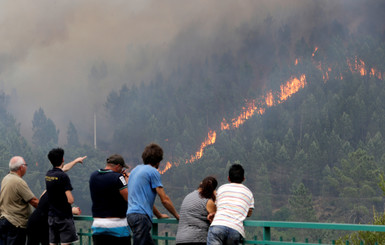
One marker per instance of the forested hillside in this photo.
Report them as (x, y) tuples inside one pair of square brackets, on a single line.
[(313, 156)]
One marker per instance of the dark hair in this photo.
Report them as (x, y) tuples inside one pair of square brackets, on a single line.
[(207, 186), (152, 154), (55, 156), (236, 173)]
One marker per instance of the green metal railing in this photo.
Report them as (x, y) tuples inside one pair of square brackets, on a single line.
[(265, 226)]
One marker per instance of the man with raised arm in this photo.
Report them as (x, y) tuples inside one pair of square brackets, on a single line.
[(60, 220), (143, 186), (15, 198)]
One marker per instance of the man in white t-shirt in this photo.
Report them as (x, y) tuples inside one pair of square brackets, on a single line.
[(234, 203)]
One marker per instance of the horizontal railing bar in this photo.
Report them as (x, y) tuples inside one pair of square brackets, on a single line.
[(314, 225)]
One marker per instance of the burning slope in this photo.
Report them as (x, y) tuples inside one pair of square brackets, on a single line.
[(254, 106), (290, 87)]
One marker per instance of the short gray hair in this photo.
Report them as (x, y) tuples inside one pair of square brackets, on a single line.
[(15, 163)]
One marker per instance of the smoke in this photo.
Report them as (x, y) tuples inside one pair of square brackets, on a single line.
[(66, 56)]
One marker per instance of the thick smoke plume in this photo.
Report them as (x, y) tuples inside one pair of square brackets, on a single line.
[(66, 56)]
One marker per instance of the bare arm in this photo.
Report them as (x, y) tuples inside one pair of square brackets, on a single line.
[(211, 209), (166, 201), (69, 165), (70, 198), (34, 202), (158, 214), (250, 212)]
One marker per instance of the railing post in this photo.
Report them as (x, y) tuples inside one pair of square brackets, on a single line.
[(80, 236), (90, 237), (266, 233), (154, 231)]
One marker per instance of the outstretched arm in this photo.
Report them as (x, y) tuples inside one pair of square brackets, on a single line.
[(69, 165), (166, 201)]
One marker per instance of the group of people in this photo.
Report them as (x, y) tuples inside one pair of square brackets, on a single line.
[(52, 221), (122, 204)]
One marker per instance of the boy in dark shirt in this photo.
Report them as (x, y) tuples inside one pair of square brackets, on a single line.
[(61, 224)]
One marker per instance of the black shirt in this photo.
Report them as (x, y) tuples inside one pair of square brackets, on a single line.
[(105, 187), (57, 183)]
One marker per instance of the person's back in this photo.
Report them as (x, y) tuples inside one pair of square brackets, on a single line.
[(106, 199), (234, 203), (57, 183), (108, 188), (14, 192), (59, 190), (144, 185), (141, 184), (193, 223), (15, 197)]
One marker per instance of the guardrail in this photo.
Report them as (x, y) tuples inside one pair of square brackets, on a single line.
[(266, 226)]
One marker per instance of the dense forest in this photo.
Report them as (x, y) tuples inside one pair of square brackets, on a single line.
[(315, 156)]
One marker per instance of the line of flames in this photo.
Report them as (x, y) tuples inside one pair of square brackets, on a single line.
[(292, 86), (286, 90)]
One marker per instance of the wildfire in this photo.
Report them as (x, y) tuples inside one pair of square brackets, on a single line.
[(287, 89), (290, 87), (167, 167), (211, 137), (247, 112)]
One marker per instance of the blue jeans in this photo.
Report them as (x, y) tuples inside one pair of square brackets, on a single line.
[(10, 234), (219, 234), (140, 225)]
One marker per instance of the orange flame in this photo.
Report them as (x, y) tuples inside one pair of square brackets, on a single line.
[(269, 100), (292, 86), (315, 50), (167, 167), (287, 89), (210, 140), (211, 137)]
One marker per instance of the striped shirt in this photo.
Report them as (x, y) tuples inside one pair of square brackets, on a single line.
[(193, 224), (233, 203)]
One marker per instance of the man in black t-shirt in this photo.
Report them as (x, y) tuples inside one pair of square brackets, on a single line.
[(61, 224), (108, 189)]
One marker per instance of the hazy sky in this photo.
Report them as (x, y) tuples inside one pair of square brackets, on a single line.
[(67, 55)]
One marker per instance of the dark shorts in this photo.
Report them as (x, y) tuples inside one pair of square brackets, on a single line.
[(62, 230)]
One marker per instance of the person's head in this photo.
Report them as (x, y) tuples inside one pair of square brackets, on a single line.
[(207, 187), (116, 163), (17, 164), (152, 154), (56, 156), (236, 174)]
